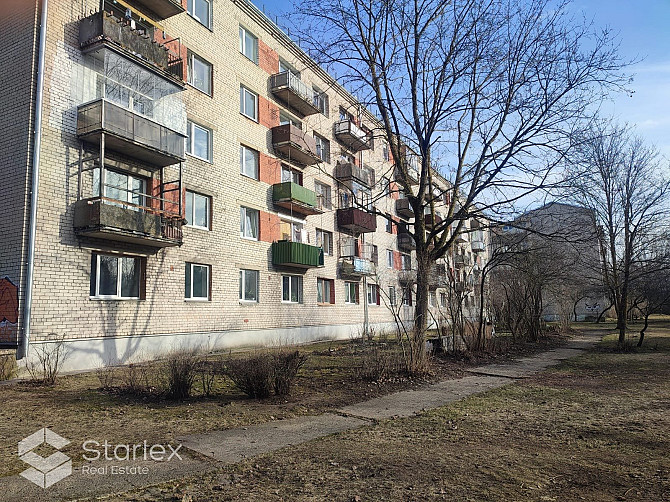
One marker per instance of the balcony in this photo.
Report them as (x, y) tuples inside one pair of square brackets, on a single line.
[(352, 136), (108, 219), (407, 277), (461, 261), (461, 238), (296, 254), (478, 246), (406, 242), (295, 198), (431, 220), (412, 175), (129, 133), (356, 220), (294, 144), (104, 30), (404, 209), (348, 172), (357, 259), (162, 8), (438, 277), (293, 92)]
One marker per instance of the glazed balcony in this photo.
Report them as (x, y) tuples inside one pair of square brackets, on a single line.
[(114, 220), (348, 172), (162, 8), (356, 220), (129, 133), (478, 246), (295, 198), (357, 259), (404, 209), (296, 254), (104, 30), (352, 136), (293, 92), (406, 242), (294, 144)]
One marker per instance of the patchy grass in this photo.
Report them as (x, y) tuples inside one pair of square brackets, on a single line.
[(596, 428)]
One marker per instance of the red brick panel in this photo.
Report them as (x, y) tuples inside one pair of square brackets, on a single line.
[(397, 260), (269, 227), (394, 227), (268, 59), (269, 169), (268, 113), (394, 190)]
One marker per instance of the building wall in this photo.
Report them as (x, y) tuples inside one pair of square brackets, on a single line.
[(62, 305)]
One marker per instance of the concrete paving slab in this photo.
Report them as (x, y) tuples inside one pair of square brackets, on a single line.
[(407, 403), (234, 445), (105, 480)]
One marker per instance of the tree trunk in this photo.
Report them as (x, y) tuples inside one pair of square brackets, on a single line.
[(418, 357), (644, 328)]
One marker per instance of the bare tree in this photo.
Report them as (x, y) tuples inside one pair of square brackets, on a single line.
[(622, 180), (484, 93)]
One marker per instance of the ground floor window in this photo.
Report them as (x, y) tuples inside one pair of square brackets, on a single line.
[(351, 292), (373, 294), (196, 283), (117, 277), (291, 288), (392, 299), (325, 291), (249, 285)]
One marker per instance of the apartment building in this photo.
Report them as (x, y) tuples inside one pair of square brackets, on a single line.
[(202, 183)]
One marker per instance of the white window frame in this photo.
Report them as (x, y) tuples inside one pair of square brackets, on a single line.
[(191, 73), (190, 9), (243, 44), (325, 291), (443, 299), (291, 280), (208, 210), (324, 195), (372, 294), (190, 141), (392, 296), (321, 101), (243, 226), (350, 293), (389, 258), (431, 298), (119, 276), (242, 285), (243, 91), (256, 168), (322, 147), (192, 298), (320, 235)]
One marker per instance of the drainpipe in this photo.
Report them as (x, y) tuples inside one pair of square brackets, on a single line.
[(37, 145)]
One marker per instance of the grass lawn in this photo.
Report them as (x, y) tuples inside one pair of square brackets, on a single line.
[(595, 428), (76, 407)]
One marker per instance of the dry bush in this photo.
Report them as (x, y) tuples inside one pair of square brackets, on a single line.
[(180, 372), (207, 370), (261, 373), (49, 361), (8, 367), (106, 375), (138, 379), (379, 364)]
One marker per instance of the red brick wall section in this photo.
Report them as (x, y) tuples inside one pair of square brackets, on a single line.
[(269, 169), (268, 59), (176, 47), (397, 260), (268, 113), (394, 227), (394, 190), (269, 227)]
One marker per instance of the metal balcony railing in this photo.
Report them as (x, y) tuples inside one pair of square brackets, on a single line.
[(294, 92)]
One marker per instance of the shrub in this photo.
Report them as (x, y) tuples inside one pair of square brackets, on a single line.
[(181, 370), (106, 375), (49, 361), (137, 379), (8, 367), (207, 371), (381, 364), (261, 373)]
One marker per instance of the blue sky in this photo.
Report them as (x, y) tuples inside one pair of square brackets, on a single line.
[(642, 28)]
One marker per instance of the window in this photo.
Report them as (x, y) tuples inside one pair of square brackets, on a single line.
[(196, 283), (389, 224), (197, 210), (124, 188), (249, 285), (345, 115), (406, 262), (386, 186), (285, 118), (321, 100), (284, 67), (116, 277), (248, 103), (201, 11), (324, 239), (291, 287), (407, 297), (325, 291), (199, 141), (373, 294), (387, 154), (292, 231), (350, 292), (249, 44), (249, 223), (290, 174), (431, 298), (248, 162), (389, 258), (392, 298), (322, 148), (199, 73), (443, 299), (323, 195)]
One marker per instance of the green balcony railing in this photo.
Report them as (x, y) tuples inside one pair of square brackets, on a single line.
[(293, 192), (296, 254)]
